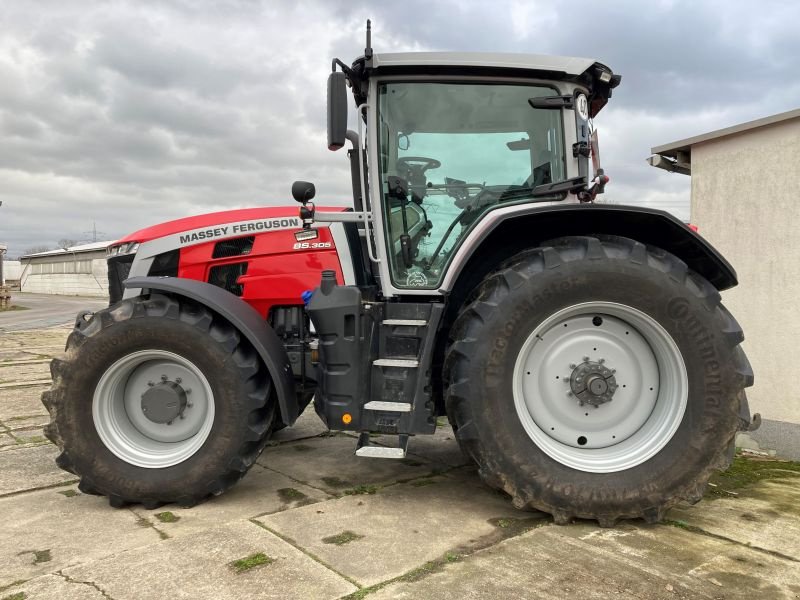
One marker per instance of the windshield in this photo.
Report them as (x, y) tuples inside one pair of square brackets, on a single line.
[(461, 149)]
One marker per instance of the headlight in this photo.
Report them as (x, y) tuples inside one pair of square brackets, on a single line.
[(120, 249)]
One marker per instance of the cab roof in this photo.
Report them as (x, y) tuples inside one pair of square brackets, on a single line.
[(566, 65)]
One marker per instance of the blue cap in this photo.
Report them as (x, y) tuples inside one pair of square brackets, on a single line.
[(306, 296)]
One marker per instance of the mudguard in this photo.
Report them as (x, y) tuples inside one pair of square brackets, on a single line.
[(531, 224), (246, 320)]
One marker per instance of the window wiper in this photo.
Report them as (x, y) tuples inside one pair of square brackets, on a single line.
[(546, 189)]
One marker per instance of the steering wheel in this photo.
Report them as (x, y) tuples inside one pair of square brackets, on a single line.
[(420, 163)]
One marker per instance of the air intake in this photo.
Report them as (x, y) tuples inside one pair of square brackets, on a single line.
[(225, 276), (237, 247)]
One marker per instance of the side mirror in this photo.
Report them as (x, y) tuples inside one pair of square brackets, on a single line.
[(337, 110), (303, 191)]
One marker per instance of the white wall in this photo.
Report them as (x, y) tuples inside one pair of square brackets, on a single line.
[(11, 271), (746, 202), (69, 284)]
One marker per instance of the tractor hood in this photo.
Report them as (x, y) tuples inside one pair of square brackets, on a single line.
[(215, 219)]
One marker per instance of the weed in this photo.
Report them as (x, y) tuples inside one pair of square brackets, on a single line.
[(69, 493), (167, 517), (423, 482), (17, 596), (361, 489), (250, 562), (290, 495), (340, 539), (745, 471), (335, 482)]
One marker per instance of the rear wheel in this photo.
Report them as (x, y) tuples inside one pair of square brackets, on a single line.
[(596, 378), (158, 400)]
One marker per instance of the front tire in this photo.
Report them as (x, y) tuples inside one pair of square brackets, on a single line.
[(652, 338), (158, 400)]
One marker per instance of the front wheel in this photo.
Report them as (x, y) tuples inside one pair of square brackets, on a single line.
[(596, 378), (158, 400)]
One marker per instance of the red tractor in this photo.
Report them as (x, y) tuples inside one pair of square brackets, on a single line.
[(579, 350)]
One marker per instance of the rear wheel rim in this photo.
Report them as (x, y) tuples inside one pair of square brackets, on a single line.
[(638, 406), (121, 420)]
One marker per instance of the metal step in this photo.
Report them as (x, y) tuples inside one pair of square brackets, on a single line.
[(367, 450), (406, 363), (408, 322), (388, 406)]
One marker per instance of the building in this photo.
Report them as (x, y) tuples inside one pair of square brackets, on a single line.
[(76, 271), (745, 201)]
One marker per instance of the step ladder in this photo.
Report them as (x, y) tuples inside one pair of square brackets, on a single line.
[(400, 403)]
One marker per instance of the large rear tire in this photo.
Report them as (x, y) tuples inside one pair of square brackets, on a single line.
[(158, 400), (596, 378)]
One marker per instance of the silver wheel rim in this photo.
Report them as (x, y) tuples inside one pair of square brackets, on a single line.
[(120, 417), (647, 404)]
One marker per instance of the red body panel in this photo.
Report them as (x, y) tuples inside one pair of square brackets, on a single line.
[(279, 269)]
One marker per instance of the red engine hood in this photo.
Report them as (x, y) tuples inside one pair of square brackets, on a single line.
[(217, 218)]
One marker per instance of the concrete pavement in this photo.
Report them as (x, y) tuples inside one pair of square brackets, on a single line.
[(311, 520), (43, 310)]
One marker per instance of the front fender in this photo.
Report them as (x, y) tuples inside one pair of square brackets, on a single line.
[(246, 320)]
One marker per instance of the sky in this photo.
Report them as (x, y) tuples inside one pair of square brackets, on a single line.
[(121, 114)]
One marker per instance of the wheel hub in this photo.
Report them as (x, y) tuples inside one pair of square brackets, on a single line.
[(593, 383), (164, 402)]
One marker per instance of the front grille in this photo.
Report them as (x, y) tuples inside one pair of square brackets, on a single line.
[(237, 247), (225, 276), (119, 267)]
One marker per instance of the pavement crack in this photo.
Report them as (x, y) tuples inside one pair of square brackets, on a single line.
[(145, 522), (507, 528), (89, 583), (700, 531), (40, 488), (311, 555), (300, 481)]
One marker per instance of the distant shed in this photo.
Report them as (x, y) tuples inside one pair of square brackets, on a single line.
[(75, 271)]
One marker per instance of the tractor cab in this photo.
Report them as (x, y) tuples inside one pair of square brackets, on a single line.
[(446, 138)]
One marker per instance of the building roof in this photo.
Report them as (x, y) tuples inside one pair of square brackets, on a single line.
[(673, 148), (676, 157), (91, 247)]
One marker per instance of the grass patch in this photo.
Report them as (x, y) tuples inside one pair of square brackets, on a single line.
[(69, 493), (250, 562), (34, 439), (340, 539), (290, 495), (441, 421), (335, 482), (361, 489), (17, 596), (167, 517), (12, 308), (746, 471)]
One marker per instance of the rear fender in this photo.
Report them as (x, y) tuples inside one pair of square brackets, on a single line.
[(246, 320), (506, 231)]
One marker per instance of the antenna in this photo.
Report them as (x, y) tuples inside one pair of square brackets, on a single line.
[(368, 49)]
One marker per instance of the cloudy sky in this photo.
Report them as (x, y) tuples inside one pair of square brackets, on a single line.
[(130, 113)]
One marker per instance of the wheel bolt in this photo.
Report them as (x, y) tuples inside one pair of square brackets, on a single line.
[(169, 422), (187, 391), (580, 402), (178, 380), (572, 365), (585, 359), (189, 405), (569, 393), (601, 360), (182, 416), (150, 383), (163, 378)]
